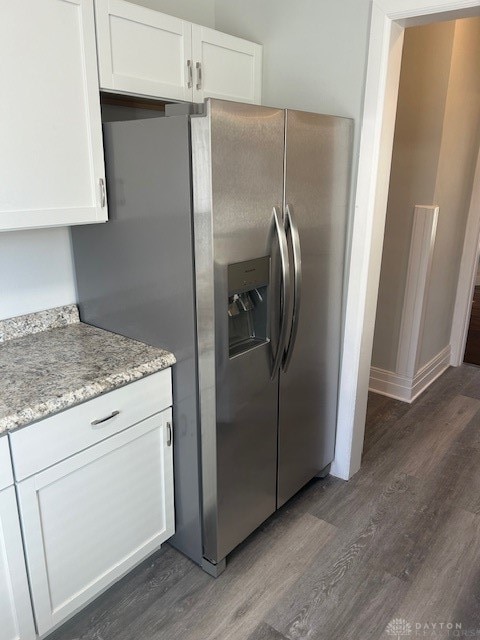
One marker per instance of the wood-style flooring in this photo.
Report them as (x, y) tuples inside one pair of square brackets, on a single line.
[(341, 560), (472, 351)]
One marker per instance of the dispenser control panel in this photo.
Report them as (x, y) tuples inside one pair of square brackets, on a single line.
[(248, 275)]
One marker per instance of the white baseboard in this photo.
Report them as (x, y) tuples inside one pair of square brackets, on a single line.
[(394, 385), (391, 384)]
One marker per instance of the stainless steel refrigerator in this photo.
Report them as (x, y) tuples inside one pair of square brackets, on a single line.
[(226, 245)]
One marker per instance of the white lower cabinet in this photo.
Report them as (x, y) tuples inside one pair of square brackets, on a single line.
[(16, 619), (90, 518)]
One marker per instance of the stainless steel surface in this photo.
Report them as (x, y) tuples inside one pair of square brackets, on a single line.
[(103, 197), (199, 75), (94, 423), (318, 157), (190, 74), (135, 277), (285, 297), (248, 275), (261, 290), (291, 226), (214, 569), (169, 434), (184, 109), (238, 178)]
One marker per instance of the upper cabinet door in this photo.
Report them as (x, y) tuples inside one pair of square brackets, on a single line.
[(226, 67), (51, 158), (142, 51)]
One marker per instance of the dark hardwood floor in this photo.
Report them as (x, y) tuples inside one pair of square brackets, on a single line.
[(472, 351), (341, 560)]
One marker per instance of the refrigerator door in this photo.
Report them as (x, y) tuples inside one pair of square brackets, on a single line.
[(317, 181), (237, 158)]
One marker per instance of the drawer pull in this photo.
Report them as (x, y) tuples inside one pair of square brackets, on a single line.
[(102, 420)]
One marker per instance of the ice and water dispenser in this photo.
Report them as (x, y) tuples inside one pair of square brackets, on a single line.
[(248, 304)]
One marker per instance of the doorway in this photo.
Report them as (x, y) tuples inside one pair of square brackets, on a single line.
[(436, 139), (472, 348), (388, 21)]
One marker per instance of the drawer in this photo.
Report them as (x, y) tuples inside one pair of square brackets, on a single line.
[(45, 443), (6, 476)]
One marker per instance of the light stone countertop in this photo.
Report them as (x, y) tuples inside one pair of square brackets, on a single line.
[(52, 369)]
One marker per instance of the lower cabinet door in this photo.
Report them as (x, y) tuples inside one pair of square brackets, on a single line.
[(16, 618), (89, 519)]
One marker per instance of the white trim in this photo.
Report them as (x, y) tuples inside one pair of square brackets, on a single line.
[(418, 277), (430, 372), (414, 9), (376, 144), (383, 72), (408, 388), (391, 384), (467, 276)]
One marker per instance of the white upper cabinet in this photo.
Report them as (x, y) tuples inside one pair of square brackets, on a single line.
[(51, 152), (226, 67), (148, 53), (142, 51)]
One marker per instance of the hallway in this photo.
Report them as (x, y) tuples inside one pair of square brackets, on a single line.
[(472, 350), (401, 540)]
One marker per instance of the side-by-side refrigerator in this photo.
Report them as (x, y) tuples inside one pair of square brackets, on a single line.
[(226, 245)]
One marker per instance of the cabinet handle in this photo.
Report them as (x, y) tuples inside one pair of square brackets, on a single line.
[(103, 197), (102, 420), (199, 75), (169, 434), (190, 73)]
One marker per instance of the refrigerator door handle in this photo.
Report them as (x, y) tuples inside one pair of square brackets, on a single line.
[(283, 248), (291, 225)]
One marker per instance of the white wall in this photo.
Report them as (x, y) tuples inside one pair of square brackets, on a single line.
[(198, 11), (36, 271), (314, 51)]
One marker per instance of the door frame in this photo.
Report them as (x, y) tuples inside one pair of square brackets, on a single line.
[(467, 275), (389, 19)]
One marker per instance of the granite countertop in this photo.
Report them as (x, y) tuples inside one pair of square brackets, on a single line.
[(51, 361)]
